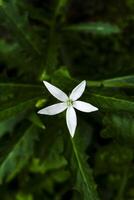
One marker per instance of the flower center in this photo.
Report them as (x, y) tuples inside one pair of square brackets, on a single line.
[(69, 102)]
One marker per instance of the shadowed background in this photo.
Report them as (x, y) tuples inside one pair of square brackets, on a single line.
[(65, 42)]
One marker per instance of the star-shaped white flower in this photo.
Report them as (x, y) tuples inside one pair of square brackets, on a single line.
[(68, 103)]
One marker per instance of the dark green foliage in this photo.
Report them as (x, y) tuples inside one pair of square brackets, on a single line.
[(65, 42), (84, 181), (18, 156)]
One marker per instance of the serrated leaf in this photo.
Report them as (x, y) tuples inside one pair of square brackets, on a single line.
[(19, 155), (101, 28)]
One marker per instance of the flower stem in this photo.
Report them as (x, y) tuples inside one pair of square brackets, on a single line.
[(79, 164)]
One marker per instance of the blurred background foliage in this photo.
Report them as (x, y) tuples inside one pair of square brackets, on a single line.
[(64, 42)]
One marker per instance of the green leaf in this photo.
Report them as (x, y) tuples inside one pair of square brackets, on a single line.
[(125, 82), (27, 52), (119, 126), (36, 120), (54, 40), (114, 165), (118, 82), (19, 155), (54, 159), (83, 182), (18, 89), (1, 2), (52, 53), (13, 110), (8, 125), (6, 48), (17, 24), (49, 163), (115, 155), (112, 104), (16, 98), (101, 28), (62, 79), (21, 196)]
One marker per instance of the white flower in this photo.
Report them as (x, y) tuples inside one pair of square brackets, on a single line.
[(68, 103)]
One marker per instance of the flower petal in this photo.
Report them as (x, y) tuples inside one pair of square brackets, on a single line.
[(78, 91), (56, 92), (54, 109), (84, 107), (71, 120)]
